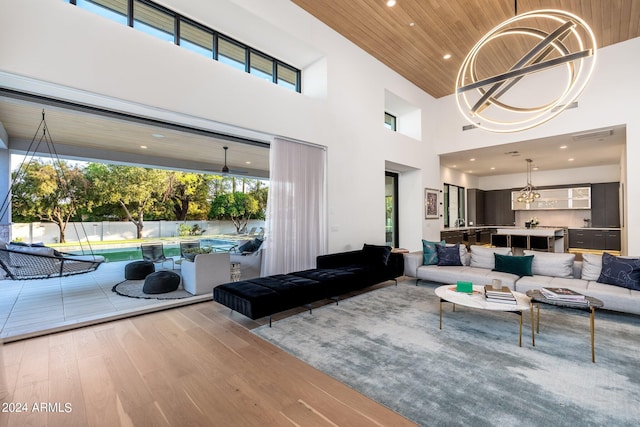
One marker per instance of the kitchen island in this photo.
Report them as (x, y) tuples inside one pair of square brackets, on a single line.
[(550, 239)]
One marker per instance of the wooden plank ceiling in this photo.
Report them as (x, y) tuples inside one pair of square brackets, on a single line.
[(413, 36)]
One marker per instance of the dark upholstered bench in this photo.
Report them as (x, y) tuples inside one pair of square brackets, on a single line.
[(337, 274), (263, 296)]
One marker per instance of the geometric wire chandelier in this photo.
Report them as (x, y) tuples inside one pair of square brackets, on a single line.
[(560, 47), (528, 193)]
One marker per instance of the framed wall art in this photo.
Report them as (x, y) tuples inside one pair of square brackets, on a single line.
[(431, 203)]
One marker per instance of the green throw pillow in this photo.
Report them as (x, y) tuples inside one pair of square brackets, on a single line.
[(430, 254), (518, 265)]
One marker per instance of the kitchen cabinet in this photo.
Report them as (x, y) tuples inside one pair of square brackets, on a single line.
[(484, 235), (456, 236), (593, 238), (605, 205), (468, 236), (580, 239), (612, 240), (556, 198), (497, 208)]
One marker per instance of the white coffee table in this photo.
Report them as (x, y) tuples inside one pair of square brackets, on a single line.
[(447, 293)]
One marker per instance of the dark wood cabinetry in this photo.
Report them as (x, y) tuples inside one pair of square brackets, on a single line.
[(471, 236), (612, 240), (497, 208), (456, 236), (594, 239), (475, 207), (605, 205), (484, 235)]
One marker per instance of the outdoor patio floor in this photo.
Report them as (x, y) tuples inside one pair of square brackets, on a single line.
[(30, 308)]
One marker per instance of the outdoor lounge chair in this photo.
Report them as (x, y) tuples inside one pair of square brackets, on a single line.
[(40, 262), (185, 245), (154, 252)]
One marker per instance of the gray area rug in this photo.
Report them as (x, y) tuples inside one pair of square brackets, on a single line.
[(387, 345), (133, 289)]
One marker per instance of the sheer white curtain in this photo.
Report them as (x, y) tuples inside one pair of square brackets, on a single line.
[(296, 211)]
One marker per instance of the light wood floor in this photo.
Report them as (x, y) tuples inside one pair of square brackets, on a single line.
[(188, 366)]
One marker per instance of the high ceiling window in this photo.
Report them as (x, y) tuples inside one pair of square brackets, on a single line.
[(165, 24), (153, 20), (196, 38)]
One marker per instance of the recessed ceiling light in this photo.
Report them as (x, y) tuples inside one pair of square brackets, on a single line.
[(562, 147), (535, 168), (469, 171), (391, 3), (247, 162), (144, 147), (493, 168), (472, 160), (571, 159), (157, 135), (447, 56), (454, 166), (411, 24)]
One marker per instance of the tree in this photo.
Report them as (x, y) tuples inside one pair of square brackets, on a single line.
[(261, 193), (47, 193), (136, 190), (186, 193), (238, 207)]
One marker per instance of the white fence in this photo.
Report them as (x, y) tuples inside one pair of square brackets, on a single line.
[(113, 231)]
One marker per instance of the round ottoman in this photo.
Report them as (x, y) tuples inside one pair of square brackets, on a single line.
[(161, 282), (138, 270)]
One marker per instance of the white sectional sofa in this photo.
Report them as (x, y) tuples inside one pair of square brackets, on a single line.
[(557, 270)]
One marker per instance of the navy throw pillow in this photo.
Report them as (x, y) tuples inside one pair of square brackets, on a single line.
[(376, 256), (429, 252), (251, 246), (246, 247), (518, 265), (448, 255), (624, 272)]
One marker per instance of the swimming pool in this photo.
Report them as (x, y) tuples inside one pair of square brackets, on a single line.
[(131, 251)]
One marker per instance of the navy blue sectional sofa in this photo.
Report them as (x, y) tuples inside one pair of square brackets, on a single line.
[(335, 275)]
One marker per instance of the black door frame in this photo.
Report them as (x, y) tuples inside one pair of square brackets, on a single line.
[(396, 226)]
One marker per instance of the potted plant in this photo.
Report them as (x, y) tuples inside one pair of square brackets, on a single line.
[(190, 253)]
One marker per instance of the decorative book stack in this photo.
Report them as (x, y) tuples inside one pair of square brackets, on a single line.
[(502, 295), (564, 295)]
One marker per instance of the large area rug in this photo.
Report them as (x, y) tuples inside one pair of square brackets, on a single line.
[(387, 345)]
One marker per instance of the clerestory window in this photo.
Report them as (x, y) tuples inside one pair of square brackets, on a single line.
[(167, 25)]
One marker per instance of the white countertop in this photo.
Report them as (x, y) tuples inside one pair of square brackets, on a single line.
[(536, 231), (594, 228)]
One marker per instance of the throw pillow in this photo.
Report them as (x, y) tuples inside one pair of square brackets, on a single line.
[(246, 247), (376, 256), (430, 254), (448, 255), (552, 264), (591, 266), (618, 271), (518, 265), (464, 256), (257, 242), (251, 245), (483, 257)]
